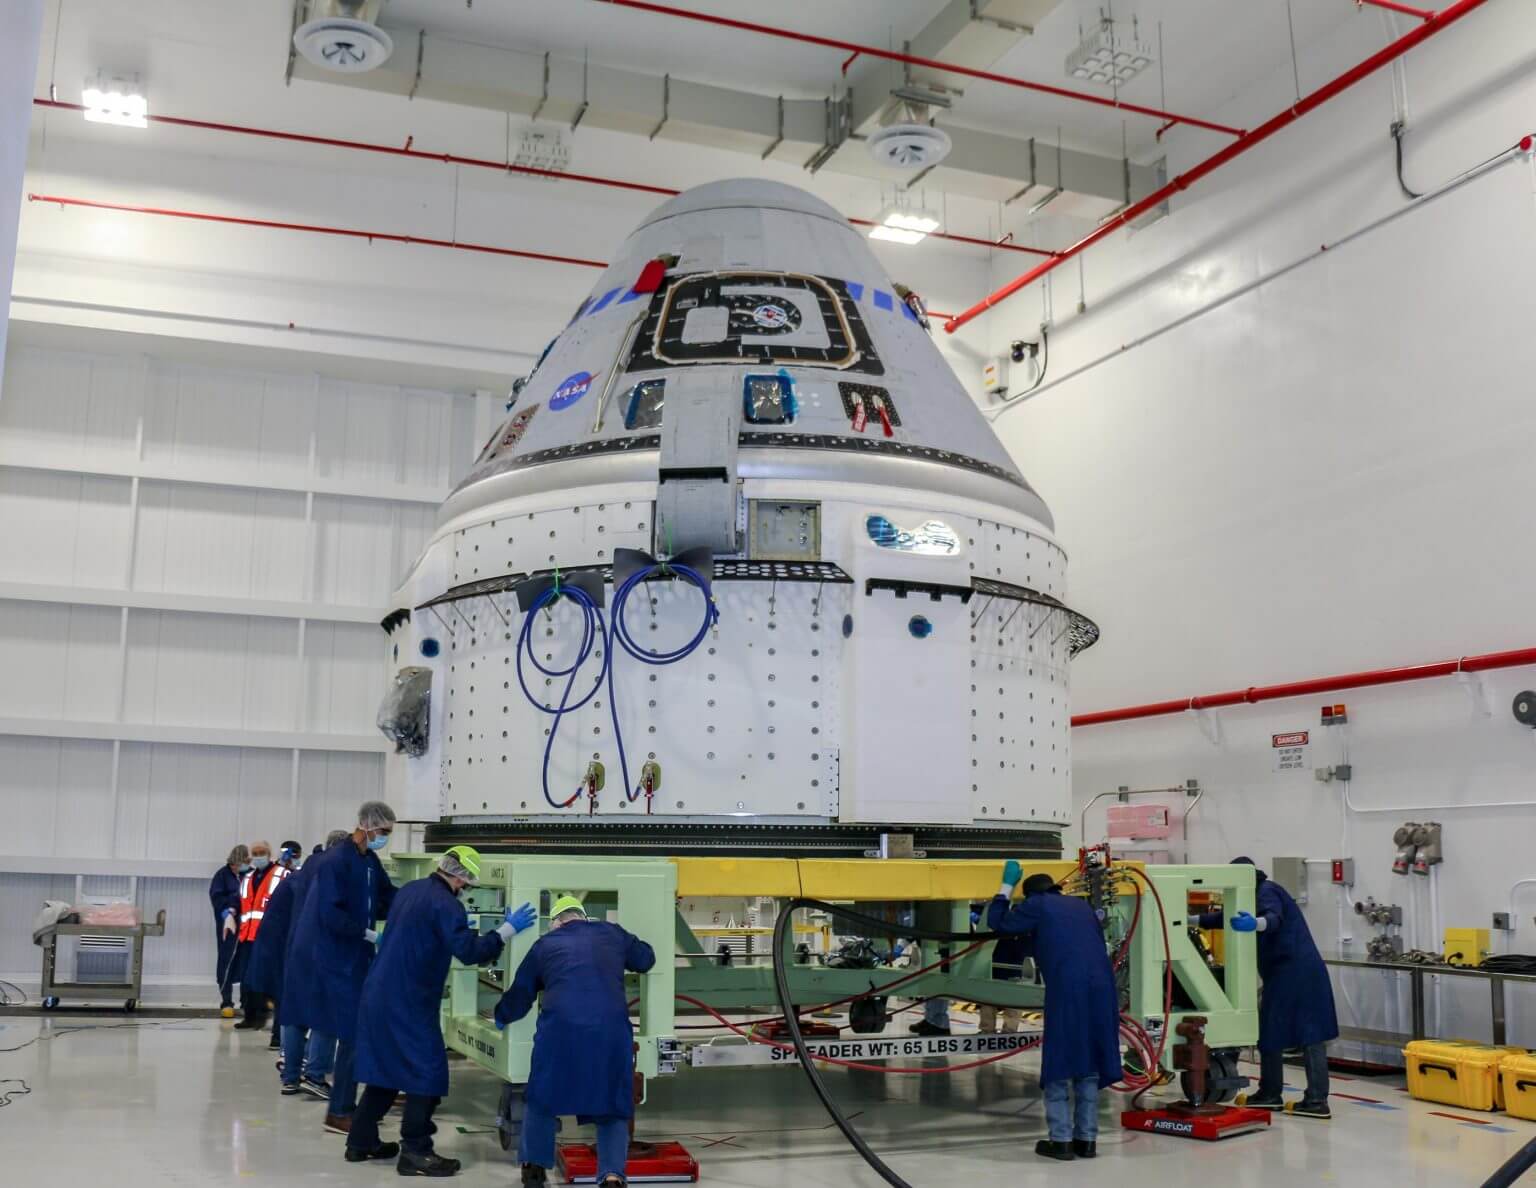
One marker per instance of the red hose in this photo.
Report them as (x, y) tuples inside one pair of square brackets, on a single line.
[(877, 1068), (1162, 1039)]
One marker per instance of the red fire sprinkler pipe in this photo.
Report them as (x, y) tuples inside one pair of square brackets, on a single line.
[(873, 51), (415, 154), (460, 245), (316, 229), (1433, 23), (1318, 685), (1423, 14)]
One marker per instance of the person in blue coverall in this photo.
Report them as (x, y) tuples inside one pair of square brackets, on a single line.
[(399, 1034), (1296, 1004), (1082, 1006), (306, 1061), (583, 1048), (224, 894), (333, 946)]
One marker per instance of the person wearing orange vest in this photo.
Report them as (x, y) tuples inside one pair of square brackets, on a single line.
[(256, 888)]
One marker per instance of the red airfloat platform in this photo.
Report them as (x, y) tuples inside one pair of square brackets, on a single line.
[(649, 1163), (1220, 1124), (778, 1031)]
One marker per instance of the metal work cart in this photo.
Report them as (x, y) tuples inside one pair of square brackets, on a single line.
[(129, 990)]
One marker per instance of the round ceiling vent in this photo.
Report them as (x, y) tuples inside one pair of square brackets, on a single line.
[(343, 44), (909, 146)]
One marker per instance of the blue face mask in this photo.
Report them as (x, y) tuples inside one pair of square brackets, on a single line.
[(378, 843)]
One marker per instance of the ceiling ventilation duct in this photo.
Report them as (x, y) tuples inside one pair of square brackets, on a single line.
[(907, 139), (343, 35)]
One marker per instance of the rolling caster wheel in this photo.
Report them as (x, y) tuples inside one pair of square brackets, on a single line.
[(50, 1003), (867, 1016)]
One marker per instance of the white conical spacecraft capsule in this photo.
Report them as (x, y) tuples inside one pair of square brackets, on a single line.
[(745, 568)]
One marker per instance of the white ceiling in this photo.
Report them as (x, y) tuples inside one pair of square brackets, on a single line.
[(226, 62), (1211, 50)]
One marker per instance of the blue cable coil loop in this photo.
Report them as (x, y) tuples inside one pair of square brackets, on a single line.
[(619, 633), (615, 632), (593, 631)]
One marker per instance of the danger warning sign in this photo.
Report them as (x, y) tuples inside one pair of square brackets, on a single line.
[(1291, 750)]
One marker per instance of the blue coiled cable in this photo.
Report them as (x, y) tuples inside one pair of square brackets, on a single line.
[(593, 632), (618, 634)]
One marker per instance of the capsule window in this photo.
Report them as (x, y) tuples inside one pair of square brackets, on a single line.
[(769, 400), (643, 407)]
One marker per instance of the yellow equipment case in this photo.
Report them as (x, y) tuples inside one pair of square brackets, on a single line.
[(1456, 1073), (1519, 1086)]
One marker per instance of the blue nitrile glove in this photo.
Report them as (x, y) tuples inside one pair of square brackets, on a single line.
[(975, 918), (1243, 922), (500, 1026), (517, 921), (1013, 873)]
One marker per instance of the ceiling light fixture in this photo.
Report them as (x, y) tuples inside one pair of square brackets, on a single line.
[(899, 223), (1107, 55), (116, 100)]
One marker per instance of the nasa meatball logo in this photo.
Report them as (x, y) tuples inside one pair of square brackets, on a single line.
[(771, 317), (571, 389)]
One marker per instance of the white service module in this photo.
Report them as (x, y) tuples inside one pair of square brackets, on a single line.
[(747, 394)]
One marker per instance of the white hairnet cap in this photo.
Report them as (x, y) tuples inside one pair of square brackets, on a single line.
[(450, 865), (375, 814), (334, 836)]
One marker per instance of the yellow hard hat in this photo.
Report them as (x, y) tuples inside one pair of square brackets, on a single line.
[(468, 859), (566, 903)]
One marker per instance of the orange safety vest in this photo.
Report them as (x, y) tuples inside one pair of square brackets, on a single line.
[(254, 894)]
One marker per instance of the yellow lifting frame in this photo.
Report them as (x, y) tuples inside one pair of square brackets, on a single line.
[(871, 879)]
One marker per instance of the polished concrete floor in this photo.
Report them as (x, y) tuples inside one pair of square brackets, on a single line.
[(192, 1102)]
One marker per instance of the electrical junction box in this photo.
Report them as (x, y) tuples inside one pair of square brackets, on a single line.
[(1343, 872), (994, 375), (1466, 946), (1291, 873), (1501, 922)]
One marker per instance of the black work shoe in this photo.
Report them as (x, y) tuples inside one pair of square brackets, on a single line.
[(612, 1182), (382, 1151), (1310, 1109), (1258, 1102), (251, 1023), (1085, 1148), (290, 1090), (320, 1087), (275, 1044), (533, 1174), (926, 1028), (430, 1164), (1052, 1150)]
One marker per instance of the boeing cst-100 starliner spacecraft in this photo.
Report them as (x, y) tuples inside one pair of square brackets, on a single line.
[(745, 569)]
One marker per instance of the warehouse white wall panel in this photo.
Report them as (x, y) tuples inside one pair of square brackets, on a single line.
[(362, 547), (211, 670), (65, 407), (1330, 473), (341, 676), (203, 539), (60, 661), (193, 563), (63, 528), (331, 786)]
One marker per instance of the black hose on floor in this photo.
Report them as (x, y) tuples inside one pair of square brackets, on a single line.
[(1519, 1163), (792, 1021)]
